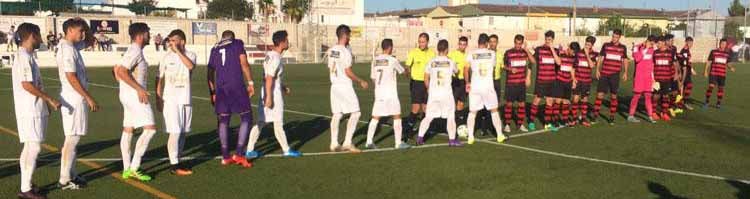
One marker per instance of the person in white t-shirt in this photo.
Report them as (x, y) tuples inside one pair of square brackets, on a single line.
[(75, 98), (29, 101), (174, 97), (384, 71), (131, 76), (343, 98), (272, 99), (480, 86), (438, 77)]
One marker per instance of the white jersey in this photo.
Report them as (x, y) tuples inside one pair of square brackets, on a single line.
[(69, 60), (272, 66), (176, 78), (25, 69), (384, 71), (441, 70), (482, 63), (339, 59), (134, 61)]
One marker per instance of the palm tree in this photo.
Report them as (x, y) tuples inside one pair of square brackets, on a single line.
[(266, 8), (295, 9)]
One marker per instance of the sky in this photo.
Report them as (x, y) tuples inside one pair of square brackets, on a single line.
[(722, 5)]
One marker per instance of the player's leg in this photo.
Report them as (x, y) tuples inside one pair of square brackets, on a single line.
[(280, 134), (470, 123), (601, 89), (246, 120), (423, 126), (371, 128), (566, 112), (574, 107), (223, 130), (27, 164), (351, 126), (508, 115), (712, 80), (521, 110), (452, 140), (649, 107), (634, 106), (74, 116), (67, 159), (398, 133), (251, 153), (335, 120), (497, 123), (534, 110), (613, 100), (548, 112), (720, 91)]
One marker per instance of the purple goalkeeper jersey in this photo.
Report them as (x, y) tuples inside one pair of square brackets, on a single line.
[(231, 93)]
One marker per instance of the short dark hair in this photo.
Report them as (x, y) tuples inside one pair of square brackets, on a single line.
[(689, 39), (668, 36), (343, 30), (591, 39), (661, 38), (386, 44), (723, 39), (463, 38), (279, 36), (442, 45), (137, 29), (74, 23), (24, 31), (519, 37), (425, 35), (483, 38), (652, 38), (227, 34), (617, 32), (575, 46), (494, 36), (550, 34), (177, 32)]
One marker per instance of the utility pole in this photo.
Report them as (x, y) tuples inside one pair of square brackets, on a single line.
[(575, 10), (744, 27)]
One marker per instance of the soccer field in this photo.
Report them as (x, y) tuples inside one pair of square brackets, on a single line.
[(700, 154)]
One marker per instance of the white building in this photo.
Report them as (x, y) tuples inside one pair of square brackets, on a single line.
[(461, 2), (193, 7)]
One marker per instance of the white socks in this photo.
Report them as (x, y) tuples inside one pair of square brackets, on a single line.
[(140, 148), (125, 140), (371, 130), (497, 123), (27, 162), (397, 131), (470, 121), (278, 132), (424, 125), (351, 126), (253, 138), (67, 159), (335, 129), (451, 127), (174, 147)]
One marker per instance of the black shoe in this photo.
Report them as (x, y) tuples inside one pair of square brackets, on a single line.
[(612, 120), (80, 181), (30, 195)]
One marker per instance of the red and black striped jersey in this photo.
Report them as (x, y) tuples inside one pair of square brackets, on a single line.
[(664, 65), (719, 60), (583, 68), (684, 57), (515, 58), (567, 65), (545, 62), (612, 55)]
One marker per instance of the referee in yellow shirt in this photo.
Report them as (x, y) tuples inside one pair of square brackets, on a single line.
[(500, 64), (415, 62), (459, 86)]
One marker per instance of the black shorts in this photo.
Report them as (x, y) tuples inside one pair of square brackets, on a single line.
[(717, 80), (459, 89), (418, 92), (544, 89), (688, 78), (515, 93), (582, 90), (498, 88), (562, 90), (664, 87), (674, 86), (609, 84)]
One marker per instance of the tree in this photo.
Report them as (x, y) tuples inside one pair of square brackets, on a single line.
[(614, 22), (584, 32), (732, 29), (647, 30), (736, 9), (55, 6), (229, 9), (266, 8), (142, 7), (296, 9)]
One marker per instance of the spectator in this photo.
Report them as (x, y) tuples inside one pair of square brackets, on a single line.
[(102, 40), (10, 35), (51, 41), (165, 43), (158, 40)]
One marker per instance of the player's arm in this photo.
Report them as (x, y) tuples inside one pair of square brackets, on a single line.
[(351, 75), (708, 63), (76, 84), (269, 90), (599, 63), (33, 90), (625, 66), (246, 72), (554, 55), (189, 63), (427, 80), (123, 73)]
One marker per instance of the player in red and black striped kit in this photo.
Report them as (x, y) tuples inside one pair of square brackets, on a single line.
[(517, 79), (687, 72), (565, 83), (546, 59), (716, 71), (665, 67), (676, 84), (586, 60), (613, 58)]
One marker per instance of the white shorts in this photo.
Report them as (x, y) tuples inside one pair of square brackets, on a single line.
[(177, 117), (31, 129), (344, 99), (274, 114), (75, 116), (440, 107), (136, 114), (386, 107), (479, 100)]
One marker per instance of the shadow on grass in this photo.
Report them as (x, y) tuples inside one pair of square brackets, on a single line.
[(662, 191), (743, 189)]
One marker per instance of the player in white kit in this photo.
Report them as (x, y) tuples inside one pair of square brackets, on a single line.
[(383, 72), (438, 77), (479, 84), (29, 101), (271, 108), (131, 76), (173, 95), (343, 98), (75, 98)]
